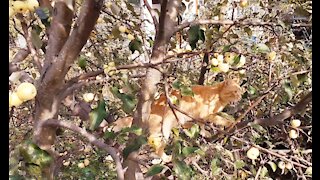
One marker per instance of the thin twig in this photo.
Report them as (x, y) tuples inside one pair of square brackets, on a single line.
[(269, 151), (155, 21), (30, 45), (230, 22), (91, 138)]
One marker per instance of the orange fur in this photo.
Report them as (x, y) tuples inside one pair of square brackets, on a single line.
[(206, 102)]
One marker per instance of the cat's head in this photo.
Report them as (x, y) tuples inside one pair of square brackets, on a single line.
[(230, 91)]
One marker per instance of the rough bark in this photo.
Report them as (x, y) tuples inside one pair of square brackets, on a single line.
[(167, 22), (62, 52)]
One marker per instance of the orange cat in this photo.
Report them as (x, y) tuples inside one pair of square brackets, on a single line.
[(206, 102)]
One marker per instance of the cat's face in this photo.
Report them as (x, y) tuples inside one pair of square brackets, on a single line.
[(231, 91)]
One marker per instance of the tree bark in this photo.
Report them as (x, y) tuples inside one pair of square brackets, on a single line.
[(62, 52), (167, 22)]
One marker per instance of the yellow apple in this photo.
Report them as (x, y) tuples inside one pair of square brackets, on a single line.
[(214, 61), (88, 97), (26, 91), (224, 67), (281, 165), (289, 165), (32, 5), (242, 71), (14, 100), (20, 6), (86, 162), (253, 153), (229, 56), (295, 123), (220, 58), (122, 29), (130, 37), (293, 134), (271, 56), (11, 12), (81, 165), (243, 3), (66, 163)]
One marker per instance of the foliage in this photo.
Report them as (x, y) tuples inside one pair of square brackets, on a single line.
[(271, 61)]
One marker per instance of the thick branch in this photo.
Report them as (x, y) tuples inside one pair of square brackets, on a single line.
[(92, 139), (59, 31), (20, 55), (167, 22), (89, 14)]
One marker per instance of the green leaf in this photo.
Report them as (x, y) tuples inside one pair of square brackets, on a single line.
[(226, 48), (32, 154), (97, 115), (82, 62), (182, 170), (189, 150), (130, 8), (35, 39), (193, 36), (200, 152), (135, 45), (176, 131), (302, 77), (236, 60), (273, 166), (151, 42), (88, 173), (215, 69), (128, 103), (193, 132), (133, 129), (115, 32), (186, 91), (259, 128), (226, 116), (177, 147), (251, 90), (109, 135), (294, 80), (16, 177), (262, 48), (300, 11), (239, 164), (34, 170), (288, 90), (263, 172), (308, 171), (215, 169), (248, 31), (155, 169), (176, 84), (37, 28), (134, 146)]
